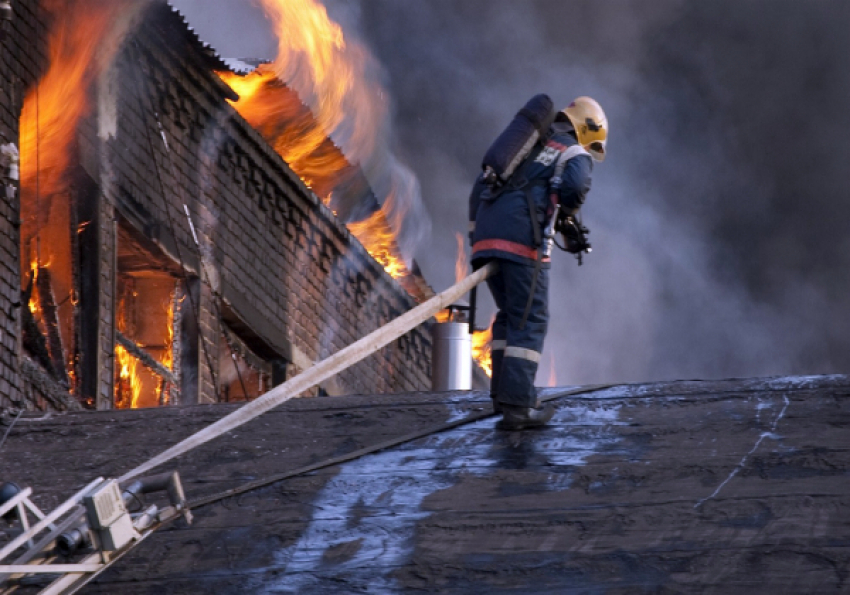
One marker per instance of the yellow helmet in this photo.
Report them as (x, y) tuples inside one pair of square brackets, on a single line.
[(590, 124)]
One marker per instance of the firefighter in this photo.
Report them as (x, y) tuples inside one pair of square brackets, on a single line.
[(506, 225)]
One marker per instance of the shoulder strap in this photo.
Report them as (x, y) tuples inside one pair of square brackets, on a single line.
[(567, 154)]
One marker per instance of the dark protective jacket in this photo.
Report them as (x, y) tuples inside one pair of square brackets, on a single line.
[(500, 224)]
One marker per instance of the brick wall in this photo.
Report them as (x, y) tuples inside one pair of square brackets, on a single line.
[(272, 266), (23, 384), (273, 263), (22, 55)]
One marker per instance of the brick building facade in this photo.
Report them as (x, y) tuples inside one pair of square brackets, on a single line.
[(22, 60), (192, 245)]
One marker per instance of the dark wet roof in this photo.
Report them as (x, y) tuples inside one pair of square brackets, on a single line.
[(727, 486)]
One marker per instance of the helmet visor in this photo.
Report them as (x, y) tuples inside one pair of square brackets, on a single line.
[(597, 150)]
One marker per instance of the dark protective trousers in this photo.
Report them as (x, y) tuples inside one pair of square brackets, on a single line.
[(516, 351)]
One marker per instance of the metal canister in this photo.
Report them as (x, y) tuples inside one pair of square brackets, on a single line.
[(451, 360)]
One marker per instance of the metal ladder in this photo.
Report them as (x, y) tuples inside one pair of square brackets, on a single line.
[(91, 530)]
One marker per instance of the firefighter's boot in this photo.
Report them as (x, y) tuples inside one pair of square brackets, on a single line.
[(520, 418)]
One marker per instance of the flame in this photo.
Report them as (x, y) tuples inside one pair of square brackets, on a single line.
[(443, 316), (316, 64), (137, 386), (82, 40), (290, 128), (33, 304), (329, 73), (481, 341), (128, 387), (168, 357), (481, 352), (128, 378), (52, 109), (377, 237)]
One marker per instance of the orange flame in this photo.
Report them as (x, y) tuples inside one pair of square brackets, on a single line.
[(332, 77), (329, 72), (33, 304), (48, 127), (129, 379), (168, 357), (136, 385), (83, 38), (128, 387), (52, 109), (481, 352), (290, 128), (378, 239)]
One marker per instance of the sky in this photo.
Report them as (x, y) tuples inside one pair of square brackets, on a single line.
[(719, 220)]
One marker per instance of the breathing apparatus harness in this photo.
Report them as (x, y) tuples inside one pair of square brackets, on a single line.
[(570, 226)]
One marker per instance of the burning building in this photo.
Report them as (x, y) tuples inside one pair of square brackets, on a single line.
[(166, 245)]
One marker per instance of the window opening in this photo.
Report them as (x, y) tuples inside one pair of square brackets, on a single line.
[(243, 375)]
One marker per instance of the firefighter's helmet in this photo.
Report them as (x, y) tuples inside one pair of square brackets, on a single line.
[(590, 124)]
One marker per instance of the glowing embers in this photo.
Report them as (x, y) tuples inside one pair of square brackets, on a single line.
[(144, 347)]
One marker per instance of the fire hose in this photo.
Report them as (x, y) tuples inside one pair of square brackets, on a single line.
[(320, 371), (367, 450)]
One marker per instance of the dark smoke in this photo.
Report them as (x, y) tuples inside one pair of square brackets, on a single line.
[(719, 220)]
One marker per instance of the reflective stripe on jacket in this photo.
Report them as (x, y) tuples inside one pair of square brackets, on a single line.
[(501, 226)]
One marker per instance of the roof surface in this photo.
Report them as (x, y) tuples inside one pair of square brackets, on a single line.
[(733, 486), (208, 51)]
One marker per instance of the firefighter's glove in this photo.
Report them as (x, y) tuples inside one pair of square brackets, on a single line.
[(574, 234)]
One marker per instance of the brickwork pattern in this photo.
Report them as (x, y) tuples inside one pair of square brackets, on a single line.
[(22, 54), (264, 240), (266, 246)]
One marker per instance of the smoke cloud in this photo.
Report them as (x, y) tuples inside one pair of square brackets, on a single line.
[(719, 219)]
